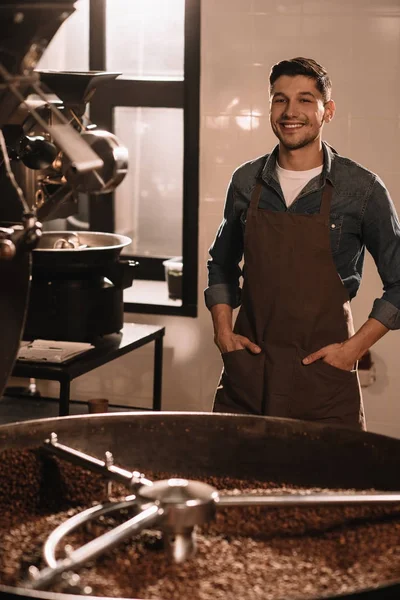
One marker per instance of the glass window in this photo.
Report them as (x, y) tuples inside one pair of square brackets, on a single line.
[(153, 108), (145, 38), (69, 49), (148, 203)]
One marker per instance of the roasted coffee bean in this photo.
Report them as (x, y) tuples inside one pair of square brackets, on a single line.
[(152, 540)]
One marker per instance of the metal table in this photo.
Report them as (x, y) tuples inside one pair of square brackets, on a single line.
[(107, 348)]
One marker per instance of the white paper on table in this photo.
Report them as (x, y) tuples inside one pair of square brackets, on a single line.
[(51, 351)]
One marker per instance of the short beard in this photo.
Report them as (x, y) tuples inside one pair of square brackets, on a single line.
[(297, 145)]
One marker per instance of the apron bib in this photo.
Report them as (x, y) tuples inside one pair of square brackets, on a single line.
[(293, 304)]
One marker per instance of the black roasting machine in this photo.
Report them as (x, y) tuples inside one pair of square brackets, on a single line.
[(51, 156)]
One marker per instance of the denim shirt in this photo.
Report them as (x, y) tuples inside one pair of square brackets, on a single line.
[(362, 216)]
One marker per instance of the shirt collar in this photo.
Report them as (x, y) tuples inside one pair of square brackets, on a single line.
[(268, 172)]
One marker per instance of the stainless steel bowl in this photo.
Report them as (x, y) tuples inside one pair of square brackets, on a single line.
[(71, 249)]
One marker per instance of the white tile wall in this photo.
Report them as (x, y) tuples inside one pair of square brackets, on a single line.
[(359, 43)]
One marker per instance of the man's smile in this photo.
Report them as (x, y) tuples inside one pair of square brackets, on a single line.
[(292, 126)]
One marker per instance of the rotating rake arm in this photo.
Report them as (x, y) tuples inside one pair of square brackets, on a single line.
[(148, 517), (82, 518), (131, 479), (319, 499), (138, 482)]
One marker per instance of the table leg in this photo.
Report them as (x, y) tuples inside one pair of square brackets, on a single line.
[(157, 380), (64, 397)]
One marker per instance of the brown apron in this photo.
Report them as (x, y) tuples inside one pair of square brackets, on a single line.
[(293, 303)]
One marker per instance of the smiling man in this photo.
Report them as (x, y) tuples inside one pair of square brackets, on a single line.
[(301, 217)]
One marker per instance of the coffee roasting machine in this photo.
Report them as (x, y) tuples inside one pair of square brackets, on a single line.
[(49, 154)]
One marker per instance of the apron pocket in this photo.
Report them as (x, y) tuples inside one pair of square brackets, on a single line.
[(331, 369), (323, 392), (243, 379)]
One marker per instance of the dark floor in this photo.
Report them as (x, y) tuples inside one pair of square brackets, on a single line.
[(26, 408)]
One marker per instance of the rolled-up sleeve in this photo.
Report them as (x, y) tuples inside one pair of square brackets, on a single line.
[(226, 253), (381, 234)]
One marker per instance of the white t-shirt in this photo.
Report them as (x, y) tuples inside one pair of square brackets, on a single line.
[(292, 182)]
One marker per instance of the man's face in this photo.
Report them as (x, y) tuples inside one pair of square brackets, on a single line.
[(297, 111)]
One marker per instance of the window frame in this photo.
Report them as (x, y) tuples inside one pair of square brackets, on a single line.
[(183, 94)]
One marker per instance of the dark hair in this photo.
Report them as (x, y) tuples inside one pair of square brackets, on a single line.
[(303, 66)]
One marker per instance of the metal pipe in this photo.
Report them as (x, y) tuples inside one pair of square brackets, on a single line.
[(50, 547), (131, 479), (322, 499), (148, 517)]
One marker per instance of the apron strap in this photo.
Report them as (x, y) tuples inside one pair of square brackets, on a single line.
[(326, 200), (255, 197)]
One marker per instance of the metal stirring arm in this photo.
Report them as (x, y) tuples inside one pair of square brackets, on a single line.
[(174, 506), (240, 500), (149, 516), (82, 518), (131, 479), (318, 499), (137, 481)]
